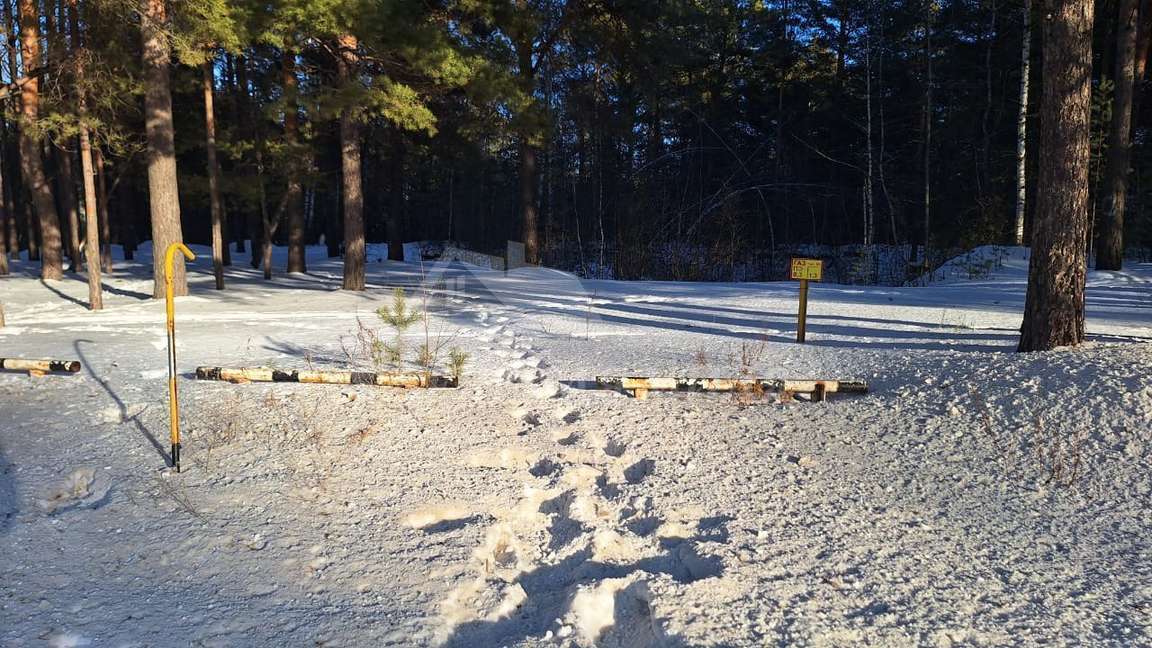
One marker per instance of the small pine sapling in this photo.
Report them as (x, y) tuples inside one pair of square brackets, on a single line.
[(400, 318), (457, 358)]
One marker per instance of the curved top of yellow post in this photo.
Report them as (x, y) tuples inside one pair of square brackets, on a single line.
[(168, 258), (171, 252)]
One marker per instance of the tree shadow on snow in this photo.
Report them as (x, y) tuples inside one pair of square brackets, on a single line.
[(320, 355), (825, 330), (124, 415), (8, 503), (61, 294)]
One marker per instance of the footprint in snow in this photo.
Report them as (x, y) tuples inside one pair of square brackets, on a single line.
[(525, 363), (525, 375), (615, 448), (566, 414), (526, 416), (565, 438), (548, 388), (636, 473)]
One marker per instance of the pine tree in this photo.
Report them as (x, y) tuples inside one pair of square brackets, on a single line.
[(1054, 306), (216, 202), (200, 29), (1110, 242), (163, 192), (87, 170), (295, 196), (353, 189), (5, 219), (32, 164)]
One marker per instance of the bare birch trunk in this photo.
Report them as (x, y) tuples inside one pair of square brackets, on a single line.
[(1022, 125), (1054, 306)]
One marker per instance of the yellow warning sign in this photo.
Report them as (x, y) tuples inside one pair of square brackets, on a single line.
[(808, 269)]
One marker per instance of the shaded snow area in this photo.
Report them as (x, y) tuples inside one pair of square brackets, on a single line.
[(974, 497)]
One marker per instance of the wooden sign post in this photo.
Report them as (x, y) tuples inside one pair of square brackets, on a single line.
[(805, 270)]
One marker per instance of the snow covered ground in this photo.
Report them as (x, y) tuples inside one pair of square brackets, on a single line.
[(975, 497)]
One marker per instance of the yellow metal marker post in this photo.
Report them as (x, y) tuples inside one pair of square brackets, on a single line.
[(173, 400), (805, 270)]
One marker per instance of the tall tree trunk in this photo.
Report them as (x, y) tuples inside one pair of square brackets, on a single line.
[(10, 232), (271, 225), (9, 205), (253, 221), (1143, 41), (91, 223), (163, 191), (1054, 306), (350, 166), (869, 221), (295, 206), (87, 170), (225, 233), (984, 176), (1022, 125), (102, 212), (929, 117), (529, 216), (270, 221), (334, 209), (32, 230), (5, 221), (9, 198), (67, 200), (129, 209), (213, 174), (31, 161), (1110, 240), (882, 155), (13, 221), (66, 187)]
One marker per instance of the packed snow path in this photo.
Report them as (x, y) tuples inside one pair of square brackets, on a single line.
[(976, 496)]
